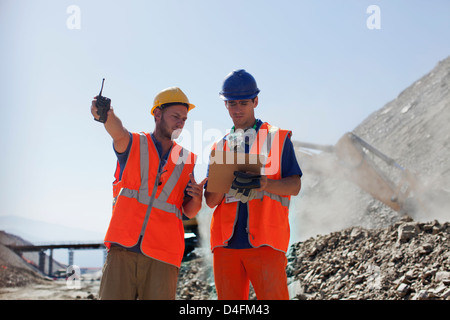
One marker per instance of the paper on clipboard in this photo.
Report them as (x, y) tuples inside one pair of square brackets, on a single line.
[(223, 164)]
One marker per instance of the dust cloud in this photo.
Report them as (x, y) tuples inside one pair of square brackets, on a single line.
[(412, 130)]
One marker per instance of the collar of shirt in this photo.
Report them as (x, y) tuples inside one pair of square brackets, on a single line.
[(158, 146)]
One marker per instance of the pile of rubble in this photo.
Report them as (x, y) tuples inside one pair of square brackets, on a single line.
[(408, 260), (15, 271), (195, 280), (17, 277)]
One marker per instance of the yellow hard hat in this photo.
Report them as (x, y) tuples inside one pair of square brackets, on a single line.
[(171, 95)]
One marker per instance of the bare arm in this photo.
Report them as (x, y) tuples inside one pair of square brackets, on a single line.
[(114, 127), (289, 186), (213, 198), (194, 204)]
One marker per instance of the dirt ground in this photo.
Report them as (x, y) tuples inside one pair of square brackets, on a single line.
[(52, 290)]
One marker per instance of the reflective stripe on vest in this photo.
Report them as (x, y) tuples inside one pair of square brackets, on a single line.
[(282, 200), (262, 145), (142, 194), (267, 223), (148, 201), (268, 135)]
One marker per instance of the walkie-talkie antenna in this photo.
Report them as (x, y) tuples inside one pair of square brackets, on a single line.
[(103, 105), (100, 94)]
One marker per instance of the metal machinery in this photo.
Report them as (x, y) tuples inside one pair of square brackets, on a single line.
[(354, 159)]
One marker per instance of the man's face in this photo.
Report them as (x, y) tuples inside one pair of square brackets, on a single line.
[(242, 111), (170, 121)]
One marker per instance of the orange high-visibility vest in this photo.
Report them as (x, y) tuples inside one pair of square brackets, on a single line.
[(268, 222), (148, 201)]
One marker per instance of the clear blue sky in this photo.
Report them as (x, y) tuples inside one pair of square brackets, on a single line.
[(320, 69)]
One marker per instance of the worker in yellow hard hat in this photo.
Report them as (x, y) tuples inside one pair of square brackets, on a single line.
[(170, 96), (154, 188)]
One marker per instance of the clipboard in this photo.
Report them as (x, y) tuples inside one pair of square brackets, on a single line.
[(223, 164)]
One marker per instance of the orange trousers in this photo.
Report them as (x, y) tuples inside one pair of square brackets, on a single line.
[(264, 267)]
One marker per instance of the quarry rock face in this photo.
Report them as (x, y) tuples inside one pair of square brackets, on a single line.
[(380, 253), (414, 130)]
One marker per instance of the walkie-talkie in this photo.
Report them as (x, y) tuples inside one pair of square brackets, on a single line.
[(103, 105)]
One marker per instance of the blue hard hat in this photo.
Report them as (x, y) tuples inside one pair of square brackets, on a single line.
[(239, 85)]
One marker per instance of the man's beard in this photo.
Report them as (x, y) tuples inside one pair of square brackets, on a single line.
[(168, 133)]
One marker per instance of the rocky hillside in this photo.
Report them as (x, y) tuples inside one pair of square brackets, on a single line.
[(378, 254), (414, 127), (15, 271), (414, 130)]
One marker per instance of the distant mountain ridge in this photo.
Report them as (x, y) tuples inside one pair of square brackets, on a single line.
[(39, 231)]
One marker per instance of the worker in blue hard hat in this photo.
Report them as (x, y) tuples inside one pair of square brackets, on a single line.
[(250, 226), (239, 87)]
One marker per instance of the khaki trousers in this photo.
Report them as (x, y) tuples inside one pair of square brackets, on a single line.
[(129, 275)]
